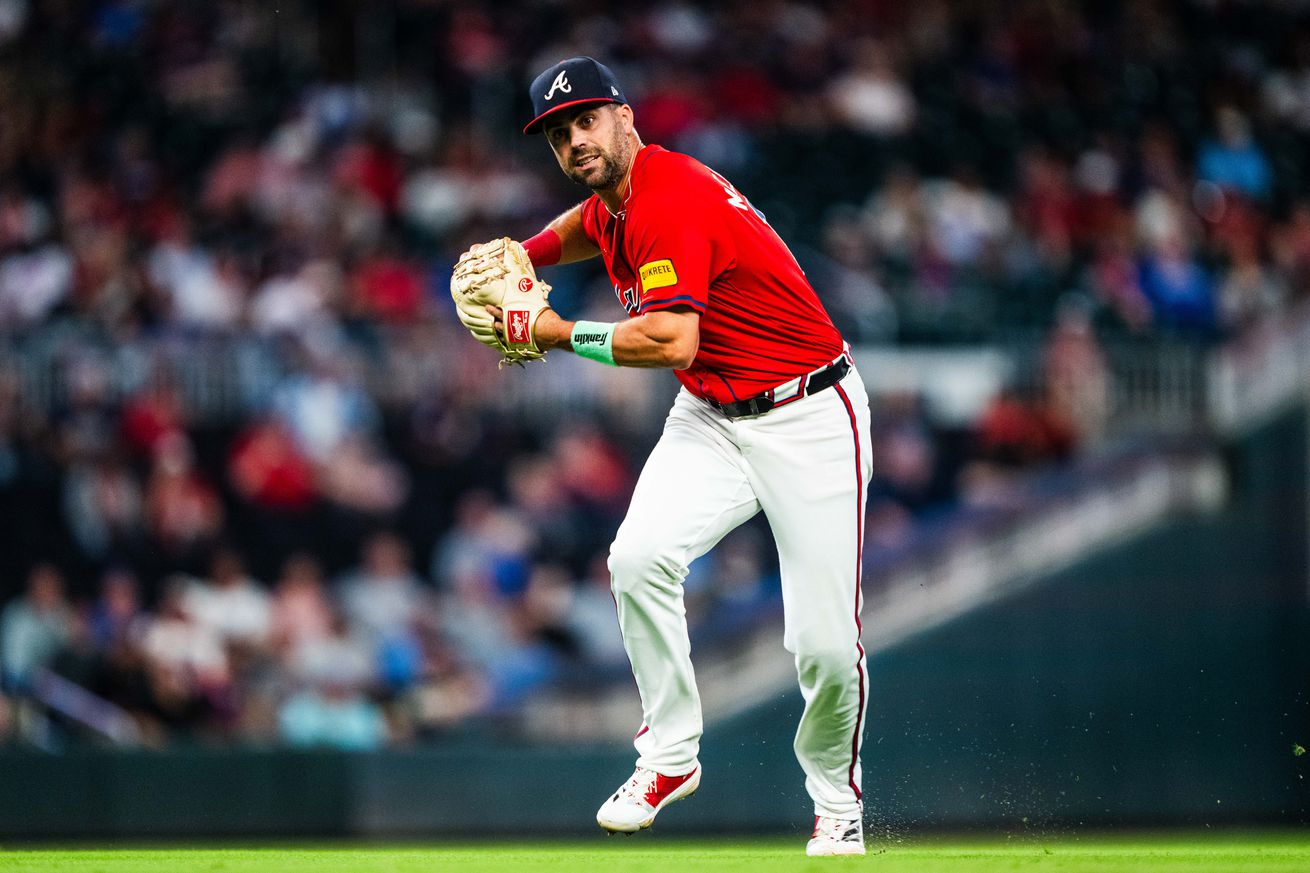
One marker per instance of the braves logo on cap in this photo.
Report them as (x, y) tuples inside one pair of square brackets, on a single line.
[(561, 83), (572, 82), (517, 325)]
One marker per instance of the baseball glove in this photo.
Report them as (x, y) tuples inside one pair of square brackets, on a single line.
[(500, 273)]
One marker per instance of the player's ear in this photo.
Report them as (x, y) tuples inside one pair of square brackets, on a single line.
[(624, 112)]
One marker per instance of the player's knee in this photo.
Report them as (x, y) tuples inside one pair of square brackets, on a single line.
[(633, 565), (823, 660)]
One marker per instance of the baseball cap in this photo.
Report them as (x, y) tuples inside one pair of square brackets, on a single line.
[(571, 82)]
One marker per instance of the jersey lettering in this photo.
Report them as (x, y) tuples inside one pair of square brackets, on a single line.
[(628, 297), (734, 196)]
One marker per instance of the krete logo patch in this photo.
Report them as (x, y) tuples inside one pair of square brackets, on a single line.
[(657, 274)]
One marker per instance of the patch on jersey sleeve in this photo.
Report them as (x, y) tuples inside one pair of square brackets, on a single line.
[(657, 274)]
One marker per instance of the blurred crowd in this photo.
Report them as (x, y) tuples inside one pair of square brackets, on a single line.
[(302, 175)]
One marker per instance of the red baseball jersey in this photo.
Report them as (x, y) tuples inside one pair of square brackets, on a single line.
[(687, 237)]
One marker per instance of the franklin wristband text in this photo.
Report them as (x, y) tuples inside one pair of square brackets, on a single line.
[(594, 340)]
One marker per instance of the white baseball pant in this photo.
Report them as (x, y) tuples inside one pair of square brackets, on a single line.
[(806, 464)]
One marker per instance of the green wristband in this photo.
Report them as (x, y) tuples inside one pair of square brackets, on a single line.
[(594, 340)]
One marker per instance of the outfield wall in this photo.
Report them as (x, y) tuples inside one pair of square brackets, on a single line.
[(1165, 681)]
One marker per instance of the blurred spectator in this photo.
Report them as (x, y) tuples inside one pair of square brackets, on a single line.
[(964, 218), (202, 289), (183, 512), (334, 716), (151, 416), (870, 98), (592, 618), (1075, 373), (387, 289), (267, 468), (1113, 279), (341, 657), (904, 458), (357, 476), (449, 690), (485, 539), (230, 603), (117, 618), (896, 216), (383, 598), (103, 507), (331, 709), (1178, 288), (297, 301), (590, 467), (484, 626), (8, 729), (1286, 90), (186, 665), (1233, 159), (301, 612), (323, 407), (1250, 292), (544, 609), (1291, 250), (118, 624), (851, 293), (34, 627), (1046, 206), (33, 283), (1012, 433)]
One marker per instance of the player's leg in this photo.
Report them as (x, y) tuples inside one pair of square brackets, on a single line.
[(809, 464), (692, 490)]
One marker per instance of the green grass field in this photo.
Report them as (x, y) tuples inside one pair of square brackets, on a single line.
[(1284, 852)]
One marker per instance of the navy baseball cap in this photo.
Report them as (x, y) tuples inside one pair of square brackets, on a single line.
[(571, 82)]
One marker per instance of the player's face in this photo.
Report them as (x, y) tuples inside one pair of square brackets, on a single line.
[(592, 145)]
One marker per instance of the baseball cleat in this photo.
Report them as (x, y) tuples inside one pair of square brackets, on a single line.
[(637, 802), (835, 836)]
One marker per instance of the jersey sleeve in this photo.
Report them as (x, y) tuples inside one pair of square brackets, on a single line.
[(673, 253)]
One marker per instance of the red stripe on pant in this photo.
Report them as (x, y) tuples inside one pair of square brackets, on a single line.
[(859, 566)]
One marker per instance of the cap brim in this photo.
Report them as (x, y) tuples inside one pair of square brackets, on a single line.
[(535, 124)]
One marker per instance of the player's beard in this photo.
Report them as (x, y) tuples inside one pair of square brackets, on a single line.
[(612, 164)]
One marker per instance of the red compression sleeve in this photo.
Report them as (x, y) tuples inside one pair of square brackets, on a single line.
[(544, 249)]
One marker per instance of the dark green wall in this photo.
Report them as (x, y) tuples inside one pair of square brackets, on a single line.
[(1164, 681)]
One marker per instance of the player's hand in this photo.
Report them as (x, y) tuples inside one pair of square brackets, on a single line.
[(499, 274), (541, 328)]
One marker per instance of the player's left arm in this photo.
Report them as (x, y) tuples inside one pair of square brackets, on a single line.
[(666, 338)]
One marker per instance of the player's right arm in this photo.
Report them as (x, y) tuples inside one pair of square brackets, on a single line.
[(574, 244), (569, 243)]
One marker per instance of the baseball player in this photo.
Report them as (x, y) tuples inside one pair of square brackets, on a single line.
[(771, 416)]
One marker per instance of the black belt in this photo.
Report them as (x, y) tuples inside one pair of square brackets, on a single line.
[(814, 383)]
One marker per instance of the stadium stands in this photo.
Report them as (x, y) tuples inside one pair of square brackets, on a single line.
[(256, 484)]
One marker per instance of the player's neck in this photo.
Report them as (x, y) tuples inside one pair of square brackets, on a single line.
[(613, 198)]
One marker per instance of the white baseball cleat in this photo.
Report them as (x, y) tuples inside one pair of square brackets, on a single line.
[(835, 836), (637, 802)]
